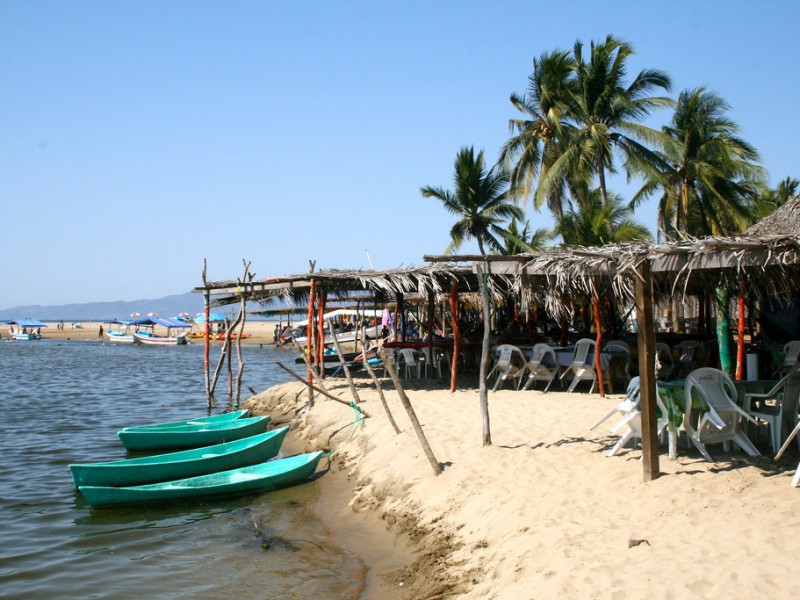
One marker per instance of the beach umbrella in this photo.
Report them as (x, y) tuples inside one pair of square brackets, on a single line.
[(135, 314), (152, 314), (185, 314)]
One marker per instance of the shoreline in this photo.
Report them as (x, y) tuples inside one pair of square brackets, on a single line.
[(543, 512)]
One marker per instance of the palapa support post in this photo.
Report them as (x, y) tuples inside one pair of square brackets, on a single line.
[(431, 319), (599, 340), (647, 370), (320, 356), (740, 336), (483, 283), (228, 342), (387, 359), (310, 336), (401, 308), (456, 335)]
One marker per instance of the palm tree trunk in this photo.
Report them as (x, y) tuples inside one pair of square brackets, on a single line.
[(602, 176), (724, 331)]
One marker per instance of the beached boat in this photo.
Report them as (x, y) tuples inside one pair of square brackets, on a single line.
[(145, 334), (122, 335), (372, 331), (222, 417), (25, 330), (179, 465), (191, 436), (264, 477)]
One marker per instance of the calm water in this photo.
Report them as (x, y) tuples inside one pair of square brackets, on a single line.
[(63, 402)]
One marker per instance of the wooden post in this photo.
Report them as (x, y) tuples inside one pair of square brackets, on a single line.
[(377, 383), (647, 370), (598, 342), (740, 338), (206, 337), (310, 335), (230, 366), (322, 298), (401, 305), (387, 359), (456, 335), (431, 318), (483, 283), (345, 368)]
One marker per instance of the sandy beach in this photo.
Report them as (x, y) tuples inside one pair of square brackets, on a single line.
[(261, 332), (543, 512)]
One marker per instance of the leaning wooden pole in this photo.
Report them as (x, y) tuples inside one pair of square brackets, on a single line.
[(246, 280), (345, 368), (456, 335), (426, 448), (377, 383), (325, 393), (647, 370)]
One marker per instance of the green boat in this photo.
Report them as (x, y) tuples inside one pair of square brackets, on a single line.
[(263, 477), (178, 465), (191, 436), (223, 417)]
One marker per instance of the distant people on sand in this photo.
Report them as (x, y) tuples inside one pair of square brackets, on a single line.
[(387, 322), (100, 332)]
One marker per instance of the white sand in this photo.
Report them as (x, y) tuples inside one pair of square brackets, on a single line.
[(543, 513)]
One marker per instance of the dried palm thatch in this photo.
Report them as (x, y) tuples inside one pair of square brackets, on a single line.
[(786, 219)]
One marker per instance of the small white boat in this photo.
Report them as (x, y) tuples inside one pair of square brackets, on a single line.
[(120, 335), (149, 338), (25, 330)]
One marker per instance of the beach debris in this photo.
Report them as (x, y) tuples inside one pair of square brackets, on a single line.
[(633, 543)]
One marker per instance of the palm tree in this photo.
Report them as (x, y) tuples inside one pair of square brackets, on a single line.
[(773, 199), (595, 224), (519, 241), (606, 113), (539, 138), (480, 198), (708, 177)]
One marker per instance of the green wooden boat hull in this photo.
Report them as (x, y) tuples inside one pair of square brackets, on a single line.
[(178, 465), (191, 436), (264, 477), (223, 417)]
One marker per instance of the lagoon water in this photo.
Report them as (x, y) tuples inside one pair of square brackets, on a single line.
[(63, 402)]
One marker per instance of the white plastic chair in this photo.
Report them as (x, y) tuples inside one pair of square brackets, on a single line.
[(722, 422), (786, 393), (629, 403), (632, 418), (510, 363), (621, 348), (579, 369), (543, 366), (408, 357), (666, 363), (439, 358), (791, 352)]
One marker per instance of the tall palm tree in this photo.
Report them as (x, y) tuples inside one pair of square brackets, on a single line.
[(480, 198), (709, 177), (539, 137), (773, 199), (606, 113)]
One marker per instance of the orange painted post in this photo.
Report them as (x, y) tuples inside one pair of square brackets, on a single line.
[(598, 367), (310, 332), (740, 340), (456, 335), (321, 334)]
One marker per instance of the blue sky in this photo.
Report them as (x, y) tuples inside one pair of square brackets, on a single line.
[(138, 138)]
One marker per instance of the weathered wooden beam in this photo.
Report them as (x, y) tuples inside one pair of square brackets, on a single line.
[(647, 370)]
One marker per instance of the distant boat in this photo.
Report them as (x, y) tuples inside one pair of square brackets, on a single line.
[(228, 416), (120, 336), (25, 330), (191, 436), (300, 338), (267, 476), (148, 337), (178, 465)]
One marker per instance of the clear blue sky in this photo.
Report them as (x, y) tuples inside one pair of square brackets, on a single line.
[(138, 138)]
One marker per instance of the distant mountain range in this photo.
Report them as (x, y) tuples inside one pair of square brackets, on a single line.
[(169, 306)]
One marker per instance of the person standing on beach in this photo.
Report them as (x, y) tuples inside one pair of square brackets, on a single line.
[(386, 321), (100, 333)]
